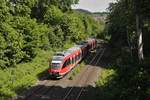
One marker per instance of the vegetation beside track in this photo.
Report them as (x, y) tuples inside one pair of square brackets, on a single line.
[(76, 70), (13, 80), (30, 32), (125, 79), (128, 28)]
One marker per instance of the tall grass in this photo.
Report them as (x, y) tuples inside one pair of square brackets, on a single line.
[(23, 75)]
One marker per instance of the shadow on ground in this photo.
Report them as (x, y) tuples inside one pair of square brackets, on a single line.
[(58, 93)]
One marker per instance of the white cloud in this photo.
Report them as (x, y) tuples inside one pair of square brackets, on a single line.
[(93, 5)]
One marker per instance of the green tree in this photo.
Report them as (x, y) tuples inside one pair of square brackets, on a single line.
[(53, 15), (124, 21), (34, 35), (22, 7), (13, 41), (4, 10)]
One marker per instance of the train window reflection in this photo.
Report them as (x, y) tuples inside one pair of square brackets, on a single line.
[(55, 65)]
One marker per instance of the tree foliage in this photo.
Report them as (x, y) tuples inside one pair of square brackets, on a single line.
[(122, 22), (29, 25), (132, 77)]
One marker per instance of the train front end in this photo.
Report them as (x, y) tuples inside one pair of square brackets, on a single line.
[(55, 67)]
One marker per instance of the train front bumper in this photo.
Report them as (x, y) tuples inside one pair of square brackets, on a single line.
[(55, 75)]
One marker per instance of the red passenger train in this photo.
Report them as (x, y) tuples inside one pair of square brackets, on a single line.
[(64, 62)]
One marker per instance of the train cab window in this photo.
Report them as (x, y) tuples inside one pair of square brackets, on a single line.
[(55, 65)]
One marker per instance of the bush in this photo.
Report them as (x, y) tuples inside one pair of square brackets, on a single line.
[(21, 37), (13, 80)]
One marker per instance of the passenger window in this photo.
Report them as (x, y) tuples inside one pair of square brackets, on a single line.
[(67, 62), (76, 58)]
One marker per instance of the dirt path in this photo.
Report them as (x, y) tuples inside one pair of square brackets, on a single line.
[(65, 89)]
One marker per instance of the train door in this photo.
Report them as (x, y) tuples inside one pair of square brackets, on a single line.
[(71, 61), (80, 55), (74, 59), (92, 44), (66, 63)]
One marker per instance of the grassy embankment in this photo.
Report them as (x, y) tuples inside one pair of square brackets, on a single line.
[(14, 79)]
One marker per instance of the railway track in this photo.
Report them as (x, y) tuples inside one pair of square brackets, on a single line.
[(50, 93), (82, 88), (40, 90), (37, 91), (78, 92)]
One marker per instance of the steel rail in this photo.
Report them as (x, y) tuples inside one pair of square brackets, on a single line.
[(80, 93), (70, 90), (34, 92)]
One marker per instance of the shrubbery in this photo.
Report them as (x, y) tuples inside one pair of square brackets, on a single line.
[(27, 27), (23, 29)]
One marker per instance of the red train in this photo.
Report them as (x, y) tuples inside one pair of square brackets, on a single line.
[(64, 62)]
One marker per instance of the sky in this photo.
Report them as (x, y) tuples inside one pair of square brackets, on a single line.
[(93, 5)]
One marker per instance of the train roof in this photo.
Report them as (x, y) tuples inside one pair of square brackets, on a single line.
[(82, 43), (71, 50), (59, 56)]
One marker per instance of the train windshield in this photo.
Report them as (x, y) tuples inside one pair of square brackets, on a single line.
[(55, 65)]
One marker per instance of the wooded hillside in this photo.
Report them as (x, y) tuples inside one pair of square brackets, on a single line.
[(128, 28), (26, 25), (30, 32)]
